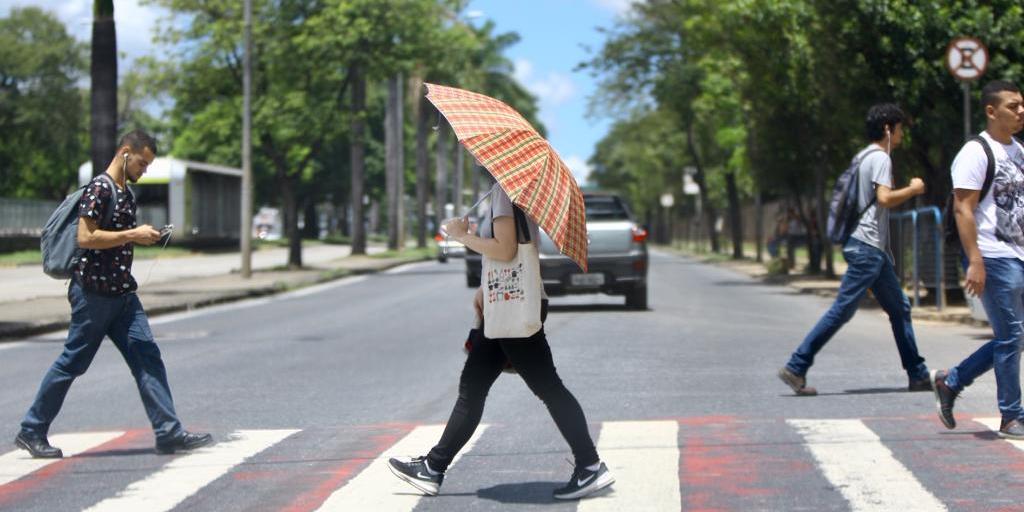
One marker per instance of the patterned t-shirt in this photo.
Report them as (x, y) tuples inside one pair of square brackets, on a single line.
[(107, 271)]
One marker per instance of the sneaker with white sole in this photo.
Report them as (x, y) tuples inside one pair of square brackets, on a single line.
[(584, 483), (414, 471)]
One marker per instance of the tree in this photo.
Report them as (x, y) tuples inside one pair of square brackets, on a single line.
[(42, 111), (103, 71)]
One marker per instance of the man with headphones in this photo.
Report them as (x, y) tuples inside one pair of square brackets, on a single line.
[(104, 303), (870, 264)]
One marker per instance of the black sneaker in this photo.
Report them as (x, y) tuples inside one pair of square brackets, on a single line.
[(1012, 429), (944, 398), (183, 442), (796, 382), (584, 483), (38, 446), (924, 384), (415, 472)]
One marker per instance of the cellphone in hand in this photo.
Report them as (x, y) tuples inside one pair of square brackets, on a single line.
[(166, 230)]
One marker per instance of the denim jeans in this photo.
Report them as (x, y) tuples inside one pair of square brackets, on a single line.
[(1002, 297), (93, 317), (868, 267)]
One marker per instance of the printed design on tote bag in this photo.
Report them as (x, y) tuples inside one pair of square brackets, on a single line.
[(505, 285)]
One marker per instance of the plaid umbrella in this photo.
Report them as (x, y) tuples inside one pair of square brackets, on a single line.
[(522, 162)]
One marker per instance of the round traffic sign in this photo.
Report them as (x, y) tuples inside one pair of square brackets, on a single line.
[(966, 58)]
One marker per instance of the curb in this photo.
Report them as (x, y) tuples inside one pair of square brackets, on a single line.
[(830, 293), (14, 333)]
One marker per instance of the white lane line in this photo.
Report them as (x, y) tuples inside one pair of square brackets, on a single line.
[(409, 267), (18, 464), (248, 303), (310, 290), (855, 461), (993, 425), (13, 344), (643, 456), (375, 488), (187, 474)]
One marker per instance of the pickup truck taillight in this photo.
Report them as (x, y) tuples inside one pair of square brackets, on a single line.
[(639, 234)]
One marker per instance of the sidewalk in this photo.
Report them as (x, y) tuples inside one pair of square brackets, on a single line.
[(184, 283), (819, 285)]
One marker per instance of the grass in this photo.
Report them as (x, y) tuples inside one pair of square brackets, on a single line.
[(35, 257), (426, 253)]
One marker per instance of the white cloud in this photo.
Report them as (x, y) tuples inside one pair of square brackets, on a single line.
[(552, 90), (579, 167), (616, 6), (135, 24)]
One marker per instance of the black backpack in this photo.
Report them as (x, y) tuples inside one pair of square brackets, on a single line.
[(951, 232), (843, 211)]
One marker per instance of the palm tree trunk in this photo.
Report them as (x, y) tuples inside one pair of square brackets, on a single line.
[(422, 172), (441, 190), (103, 93), (393, 164), (358, 156)]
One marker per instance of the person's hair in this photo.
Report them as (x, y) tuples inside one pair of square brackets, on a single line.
[(138, 139), (990, 93), (880, 116)]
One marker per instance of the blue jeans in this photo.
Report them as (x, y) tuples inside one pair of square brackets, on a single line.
[(121, 318), (1002, 297), (868, 267)]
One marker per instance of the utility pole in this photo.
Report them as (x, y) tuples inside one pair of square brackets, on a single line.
[(246, 234)]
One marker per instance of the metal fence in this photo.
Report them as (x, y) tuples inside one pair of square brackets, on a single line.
[(24, 217), (917, 242)]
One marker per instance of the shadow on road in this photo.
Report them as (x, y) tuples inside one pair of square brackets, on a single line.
[(529, 493), (127, 452), (864, 391)]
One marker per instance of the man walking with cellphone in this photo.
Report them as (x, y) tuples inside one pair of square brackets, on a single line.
[(870, 266), (988, 205), (104, 303)]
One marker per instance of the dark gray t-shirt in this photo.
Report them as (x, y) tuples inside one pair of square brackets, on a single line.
[(875, 169)]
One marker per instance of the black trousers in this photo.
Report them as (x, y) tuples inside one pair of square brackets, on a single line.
[(532, 359)]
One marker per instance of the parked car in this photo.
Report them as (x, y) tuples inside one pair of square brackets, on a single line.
[(448, 248), (617, 256)]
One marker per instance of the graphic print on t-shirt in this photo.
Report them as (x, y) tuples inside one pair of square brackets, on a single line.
[(1008, 194)]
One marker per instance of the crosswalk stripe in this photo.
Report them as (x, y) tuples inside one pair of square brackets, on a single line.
[(187, 474), (855, 461), (17, 464), (375, 488), (643, 456), (993, 424)]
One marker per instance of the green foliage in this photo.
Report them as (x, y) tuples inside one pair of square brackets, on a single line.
[(42, 112), (776, 90)]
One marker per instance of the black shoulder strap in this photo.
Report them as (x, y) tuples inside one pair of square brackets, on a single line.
[(874, 197), (108, 215), (990, 169), (522, 227)]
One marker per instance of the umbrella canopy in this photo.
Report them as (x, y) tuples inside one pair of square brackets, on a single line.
[(523, 163)]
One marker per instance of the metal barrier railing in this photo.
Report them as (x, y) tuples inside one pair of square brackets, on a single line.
[(933, 212)]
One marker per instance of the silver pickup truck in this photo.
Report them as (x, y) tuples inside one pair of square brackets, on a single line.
[(617, 256)]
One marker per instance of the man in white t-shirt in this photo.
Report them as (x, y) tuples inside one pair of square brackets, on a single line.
[(869, 264), (992, 234)]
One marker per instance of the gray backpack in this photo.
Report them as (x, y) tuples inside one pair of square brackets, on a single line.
[(59, 242)]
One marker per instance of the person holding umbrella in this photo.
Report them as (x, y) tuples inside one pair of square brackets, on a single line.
[(511, 235)]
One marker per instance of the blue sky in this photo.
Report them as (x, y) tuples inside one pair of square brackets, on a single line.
[(553, 35)]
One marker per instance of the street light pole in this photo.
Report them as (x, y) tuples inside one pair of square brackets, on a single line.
[(246, 234)]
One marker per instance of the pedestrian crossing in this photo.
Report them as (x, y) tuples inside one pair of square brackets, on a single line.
[(697, 463)]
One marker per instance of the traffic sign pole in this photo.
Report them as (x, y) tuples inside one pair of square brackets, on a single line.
[(966, 60)]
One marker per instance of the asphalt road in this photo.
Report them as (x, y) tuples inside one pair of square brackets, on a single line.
[(307, 393)]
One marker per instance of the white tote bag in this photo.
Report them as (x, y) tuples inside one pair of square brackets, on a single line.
[(512, 290)]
